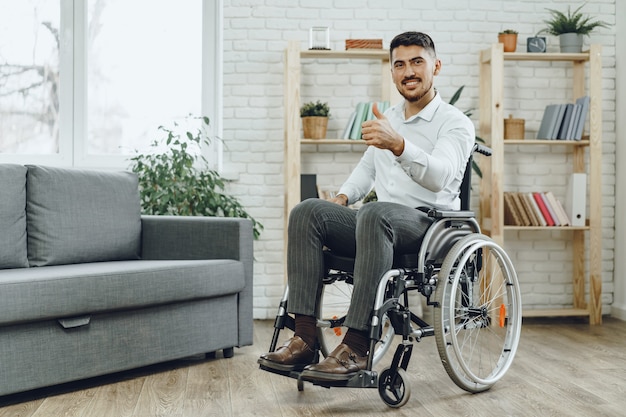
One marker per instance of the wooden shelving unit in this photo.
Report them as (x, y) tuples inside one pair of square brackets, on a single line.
[(293, 139), (587, 158)]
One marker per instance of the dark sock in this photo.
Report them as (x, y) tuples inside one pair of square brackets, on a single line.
[(358, 340), (305, 328)]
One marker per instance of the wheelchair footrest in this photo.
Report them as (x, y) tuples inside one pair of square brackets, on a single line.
[(362, 379), (290, 374)]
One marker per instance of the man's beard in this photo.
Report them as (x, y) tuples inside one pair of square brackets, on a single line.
[(416, 98)]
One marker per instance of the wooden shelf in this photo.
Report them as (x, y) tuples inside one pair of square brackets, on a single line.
[(546, 142), (378, 54), (556, 312), (549, 228), (538, 57), (332, 142), (587, 157)]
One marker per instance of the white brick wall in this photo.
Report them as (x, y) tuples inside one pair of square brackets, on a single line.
[(255, 35)]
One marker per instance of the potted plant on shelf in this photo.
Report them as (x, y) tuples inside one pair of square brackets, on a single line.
[(571, 28), (315, 119), (174, 178), (508, 37)]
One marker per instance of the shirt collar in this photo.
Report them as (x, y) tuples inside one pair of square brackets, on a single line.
[(428, 112)]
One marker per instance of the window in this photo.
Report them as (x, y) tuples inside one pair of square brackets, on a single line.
[(87, 82), (29, 77)]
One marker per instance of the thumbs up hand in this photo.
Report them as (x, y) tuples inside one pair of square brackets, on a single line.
[(377, 112), (379, 133)]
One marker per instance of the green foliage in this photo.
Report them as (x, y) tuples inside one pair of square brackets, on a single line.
[(315, 109), (174, 178), (508, 32), (371, 196), (573, 22)]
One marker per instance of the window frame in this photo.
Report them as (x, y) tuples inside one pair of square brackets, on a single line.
[(73, 91)]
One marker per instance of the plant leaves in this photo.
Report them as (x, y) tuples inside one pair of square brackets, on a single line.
[(174, 179)]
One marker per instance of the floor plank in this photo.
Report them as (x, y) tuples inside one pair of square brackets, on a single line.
[(563, 367)]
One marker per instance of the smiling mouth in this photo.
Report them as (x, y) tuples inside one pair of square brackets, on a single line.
[(411, 82)]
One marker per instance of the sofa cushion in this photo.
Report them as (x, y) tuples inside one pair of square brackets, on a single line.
[(76, 216), (31, 294), (13, 252)]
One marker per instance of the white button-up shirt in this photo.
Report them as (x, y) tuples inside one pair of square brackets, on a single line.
[(437, 145)]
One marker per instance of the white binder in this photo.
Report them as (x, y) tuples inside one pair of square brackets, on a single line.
[(577, 199)]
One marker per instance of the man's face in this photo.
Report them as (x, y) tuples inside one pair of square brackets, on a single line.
[(413, 69)]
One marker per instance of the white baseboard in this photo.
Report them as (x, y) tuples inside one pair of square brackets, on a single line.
[(618, 311)]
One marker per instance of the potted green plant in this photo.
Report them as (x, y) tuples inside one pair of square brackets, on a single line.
[(571, 28), (314, 119), (508, 37), (174, 178)]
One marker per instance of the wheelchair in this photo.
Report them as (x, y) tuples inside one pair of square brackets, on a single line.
[(467, 279)]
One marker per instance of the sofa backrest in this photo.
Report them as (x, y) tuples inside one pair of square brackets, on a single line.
[(77, 216), (13, 252)]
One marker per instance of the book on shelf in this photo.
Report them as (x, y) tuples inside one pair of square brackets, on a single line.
[(576, 201), (564, 121), (555, 203), (525, 210), (512, 215), (560, 113), (545, 212), (583, 102), (348, 128), (551, 208), (548, 121), (571, 128), (533, 208), (355, 127), (362, 113)]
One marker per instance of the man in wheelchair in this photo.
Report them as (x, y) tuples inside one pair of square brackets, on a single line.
[(416, 156)]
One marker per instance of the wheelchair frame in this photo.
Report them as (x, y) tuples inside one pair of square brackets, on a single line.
[(454, 257)]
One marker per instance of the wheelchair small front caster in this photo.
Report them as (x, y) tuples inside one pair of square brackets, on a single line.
[(393, 387), (300, 384)]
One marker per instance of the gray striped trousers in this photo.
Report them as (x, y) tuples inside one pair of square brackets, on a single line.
[(370, 235)]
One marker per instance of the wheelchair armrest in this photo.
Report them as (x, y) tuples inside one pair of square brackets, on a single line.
[(438, 214)]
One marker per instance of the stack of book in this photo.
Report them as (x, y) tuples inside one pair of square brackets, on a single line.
[(534, 209), (362, 113), (564, 121)]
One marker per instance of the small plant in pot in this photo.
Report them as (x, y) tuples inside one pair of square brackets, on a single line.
[(508, 37), (174, 178), (314, 119), (571, 28)]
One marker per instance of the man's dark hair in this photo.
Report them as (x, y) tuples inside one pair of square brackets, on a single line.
[(413, 38)]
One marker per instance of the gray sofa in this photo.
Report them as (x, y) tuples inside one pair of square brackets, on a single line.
[(89, 286)]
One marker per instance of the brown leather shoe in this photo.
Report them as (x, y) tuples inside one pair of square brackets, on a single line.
[(343, 363), (293, 355)]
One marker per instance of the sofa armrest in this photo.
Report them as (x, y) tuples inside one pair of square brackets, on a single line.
[(197, 237)]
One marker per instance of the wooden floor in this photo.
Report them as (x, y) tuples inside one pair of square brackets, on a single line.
[(564, 367)]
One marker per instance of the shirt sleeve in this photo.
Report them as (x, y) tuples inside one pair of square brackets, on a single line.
[(361, 180), (437, 170)]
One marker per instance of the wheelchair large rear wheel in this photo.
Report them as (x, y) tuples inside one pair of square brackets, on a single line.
[(332, 309), (479, 315)]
